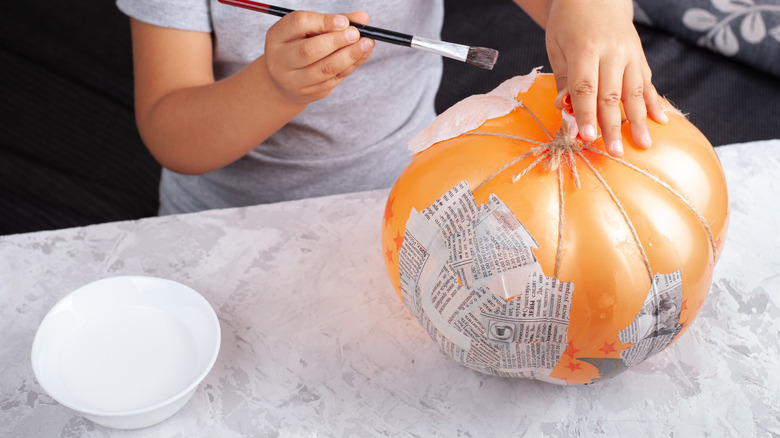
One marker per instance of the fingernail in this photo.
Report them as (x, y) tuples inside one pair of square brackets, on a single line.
[(664, 118), (616, 148), (559, 99), (366, 45), (340, 21), (588, 132), (646, 140), (352, 34), (573, 130)]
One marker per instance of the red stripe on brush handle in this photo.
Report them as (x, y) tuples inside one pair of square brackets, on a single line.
[(376, 33), (253, 6)]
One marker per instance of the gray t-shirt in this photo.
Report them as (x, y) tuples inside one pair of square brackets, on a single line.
[(353, 140)]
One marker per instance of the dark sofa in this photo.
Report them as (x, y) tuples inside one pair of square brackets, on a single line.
[(70, 154)]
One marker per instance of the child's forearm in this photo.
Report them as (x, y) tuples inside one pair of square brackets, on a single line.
[(537, 9), (192, 124), (202, 128)]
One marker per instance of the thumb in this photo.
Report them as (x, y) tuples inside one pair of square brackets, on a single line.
[(559, 68)]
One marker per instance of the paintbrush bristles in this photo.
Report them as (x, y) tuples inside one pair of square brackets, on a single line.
[(482, 57)]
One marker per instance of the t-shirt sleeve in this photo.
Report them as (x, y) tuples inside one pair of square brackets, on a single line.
[(177, 14)]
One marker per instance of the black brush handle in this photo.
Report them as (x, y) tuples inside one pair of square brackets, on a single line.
[(384, 35)]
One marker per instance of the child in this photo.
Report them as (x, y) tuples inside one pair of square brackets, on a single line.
[(243, 108)]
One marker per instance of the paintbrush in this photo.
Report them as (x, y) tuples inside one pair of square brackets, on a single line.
[(478, 56)]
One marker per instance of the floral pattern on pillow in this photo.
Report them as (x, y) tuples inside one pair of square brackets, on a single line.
[(747, 30)]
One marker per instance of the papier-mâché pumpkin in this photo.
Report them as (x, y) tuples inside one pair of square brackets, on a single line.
[(526, 253)]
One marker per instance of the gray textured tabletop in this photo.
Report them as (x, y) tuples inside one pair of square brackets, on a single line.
[(315, 341)]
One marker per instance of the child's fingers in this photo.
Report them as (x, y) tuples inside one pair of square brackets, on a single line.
[(558, 64), (359, 17), (307, 54), (305, 37), (583, 84), (308, 51), (653, 103), (634, 103), (330, 83), (341, 63), (578, 75), (301, 24), (610, 94), (326, 73)]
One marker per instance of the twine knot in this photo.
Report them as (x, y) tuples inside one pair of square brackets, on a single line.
[(562, 144)]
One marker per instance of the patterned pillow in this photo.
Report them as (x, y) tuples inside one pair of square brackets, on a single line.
[(746, 30)]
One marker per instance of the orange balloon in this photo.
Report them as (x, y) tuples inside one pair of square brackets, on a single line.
[(527, 254)]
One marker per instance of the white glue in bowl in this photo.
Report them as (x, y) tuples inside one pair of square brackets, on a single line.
[(126, 352)]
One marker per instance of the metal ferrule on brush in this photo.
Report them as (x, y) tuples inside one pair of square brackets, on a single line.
[(450, 50)]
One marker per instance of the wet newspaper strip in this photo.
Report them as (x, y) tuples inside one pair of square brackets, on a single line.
[(469, 276), (657, 323)]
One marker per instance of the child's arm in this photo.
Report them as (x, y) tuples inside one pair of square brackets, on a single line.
[(192, 124), (597, 57)]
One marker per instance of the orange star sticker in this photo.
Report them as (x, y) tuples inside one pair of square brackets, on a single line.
[(570, 350), (574, 366), (389, 255), (608, 347), (389, 209), (399, 239)]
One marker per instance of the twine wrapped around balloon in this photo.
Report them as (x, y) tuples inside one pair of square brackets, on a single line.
[(525, 251), (561, 145)]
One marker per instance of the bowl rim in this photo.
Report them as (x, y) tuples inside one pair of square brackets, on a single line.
[(211, 315)]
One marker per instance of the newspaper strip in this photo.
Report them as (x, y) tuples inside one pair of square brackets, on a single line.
[(657, 323), (469, 275)]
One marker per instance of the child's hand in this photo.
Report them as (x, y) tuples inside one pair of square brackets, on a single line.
[(597, 57), (307, 54)]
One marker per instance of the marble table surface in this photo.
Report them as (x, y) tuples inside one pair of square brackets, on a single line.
[(315, 341)]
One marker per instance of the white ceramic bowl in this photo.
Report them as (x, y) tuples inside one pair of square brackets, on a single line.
[(126, 352)]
